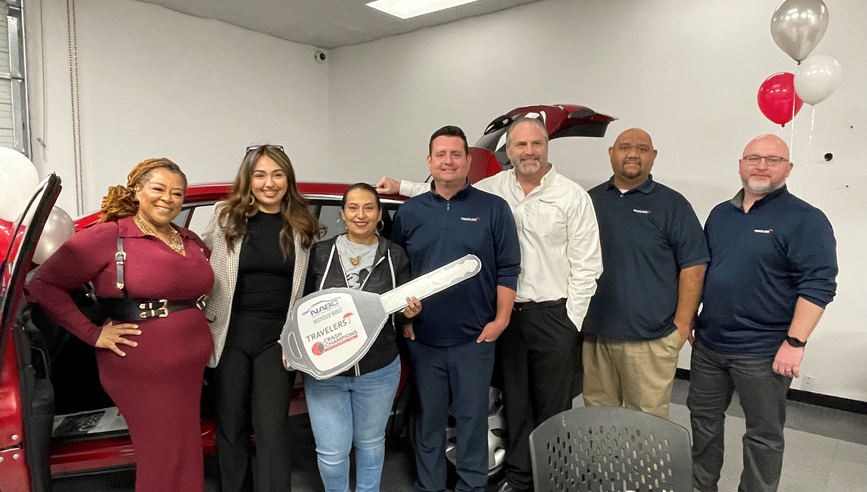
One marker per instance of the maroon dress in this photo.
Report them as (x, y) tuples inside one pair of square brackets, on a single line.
[(157, 386)]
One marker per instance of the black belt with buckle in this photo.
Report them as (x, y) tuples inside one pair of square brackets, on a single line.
[(132, 309), (520, 306)]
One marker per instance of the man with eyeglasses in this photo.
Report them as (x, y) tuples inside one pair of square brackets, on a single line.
[(772, 271), (654, 256)]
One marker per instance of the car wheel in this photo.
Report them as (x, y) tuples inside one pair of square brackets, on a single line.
[(496, 437)]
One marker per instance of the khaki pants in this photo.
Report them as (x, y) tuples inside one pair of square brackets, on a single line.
[(635, 374)]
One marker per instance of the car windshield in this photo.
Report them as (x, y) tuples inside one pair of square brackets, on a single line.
[(494, 141)]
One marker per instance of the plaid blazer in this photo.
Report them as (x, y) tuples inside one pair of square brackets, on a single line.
[(225, 265)]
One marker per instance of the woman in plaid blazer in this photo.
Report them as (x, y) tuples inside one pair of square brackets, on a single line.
[(260, 238)]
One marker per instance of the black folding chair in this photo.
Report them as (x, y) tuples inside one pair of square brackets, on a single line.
[(611, 450)]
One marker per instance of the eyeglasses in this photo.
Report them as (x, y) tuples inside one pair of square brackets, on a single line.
[(770, 160), (254, 147)]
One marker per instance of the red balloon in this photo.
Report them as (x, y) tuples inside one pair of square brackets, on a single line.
[(776, 97), (5, 237)]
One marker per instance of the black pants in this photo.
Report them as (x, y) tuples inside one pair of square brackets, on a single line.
[(465, 371), (250, 379), (762, 392), (539, 353)]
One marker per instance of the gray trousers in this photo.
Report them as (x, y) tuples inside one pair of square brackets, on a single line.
[(762, 392)]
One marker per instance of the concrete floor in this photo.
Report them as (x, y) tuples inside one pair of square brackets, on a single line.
[(826, 450), (398, 469)]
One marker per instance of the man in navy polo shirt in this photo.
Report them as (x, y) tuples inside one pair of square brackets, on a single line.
[(772, 271), (654, 255), (451, 343)]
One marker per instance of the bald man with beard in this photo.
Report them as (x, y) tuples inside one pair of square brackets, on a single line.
[(654, 256), (772, 271)]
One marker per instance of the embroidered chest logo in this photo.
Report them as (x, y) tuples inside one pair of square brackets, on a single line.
[(470, 219), (763, 231), (355, 261), (549, 202), (646, 212)]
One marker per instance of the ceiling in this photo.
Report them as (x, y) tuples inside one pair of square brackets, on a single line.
[(324, 23)]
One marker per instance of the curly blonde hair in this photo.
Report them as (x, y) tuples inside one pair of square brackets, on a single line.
[(120, 201)]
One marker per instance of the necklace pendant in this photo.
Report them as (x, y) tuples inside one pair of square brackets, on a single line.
[(176, 242)]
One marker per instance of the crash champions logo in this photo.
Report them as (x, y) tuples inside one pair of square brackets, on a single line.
[(333, 335)]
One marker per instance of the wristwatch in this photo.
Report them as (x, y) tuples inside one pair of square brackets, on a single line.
[(794, 342)]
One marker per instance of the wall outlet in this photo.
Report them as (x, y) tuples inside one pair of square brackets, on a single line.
[(809, 384)]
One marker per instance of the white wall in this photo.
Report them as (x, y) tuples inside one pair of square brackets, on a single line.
[(686, 71), (157, 83), (154, 82)]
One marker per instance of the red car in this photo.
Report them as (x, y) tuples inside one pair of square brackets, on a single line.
[(55, 419)]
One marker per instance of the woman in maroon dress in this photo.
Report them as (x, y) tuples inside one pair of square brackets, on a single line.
[(151, 366)]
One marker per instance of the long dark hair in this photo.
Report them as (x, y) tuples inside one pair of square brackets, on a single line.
[(241, 204)]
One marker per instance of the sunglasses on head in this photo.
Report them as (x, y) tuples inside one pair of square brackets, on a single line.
[(254, 147)]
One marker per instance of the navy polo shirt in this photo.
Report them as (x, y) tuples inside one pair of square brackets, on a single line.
[(435, 231), (761, 262), (647, 235)]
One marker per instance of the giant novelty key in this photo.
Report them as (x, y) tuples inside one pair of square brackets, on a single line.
[(330, 330)]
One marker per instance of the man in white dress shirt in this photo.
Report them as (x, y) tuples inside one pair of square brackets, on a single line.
[(560, 262)]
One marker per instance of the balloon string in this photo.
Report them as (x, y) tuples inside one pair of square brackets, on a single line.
[(792, 127), (809, 153)]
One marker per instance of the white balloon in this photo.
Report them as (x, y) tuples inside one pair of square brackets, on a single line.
[(18, 180), (58, 228), (817, 78)]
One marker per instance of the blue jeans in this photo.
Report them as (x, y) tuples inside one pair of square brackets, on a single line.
[(346, 411)]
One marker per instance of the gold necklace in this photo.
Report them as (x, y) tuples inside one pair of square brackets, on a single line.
[(175, 241)]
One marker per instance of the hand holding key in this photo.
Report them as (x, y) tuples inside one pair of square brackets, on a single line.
[(413, 307)]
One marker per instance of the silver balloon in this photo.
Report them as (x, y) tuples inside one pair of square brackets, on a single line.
[(58, 228), (798, 25)]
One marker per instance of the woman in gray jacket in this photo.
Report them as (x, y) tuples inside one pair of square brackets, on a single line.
[(353, 407)]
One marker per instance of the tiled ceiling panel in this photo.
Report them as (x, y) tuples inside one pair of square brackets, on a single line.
[(324, 23)]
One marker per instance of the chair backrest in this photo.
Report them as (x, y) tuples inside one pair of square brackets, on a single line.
[(611, 450)]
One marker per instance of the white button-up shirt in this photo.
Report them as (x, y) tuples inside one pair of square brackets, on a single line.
[(560, 254)]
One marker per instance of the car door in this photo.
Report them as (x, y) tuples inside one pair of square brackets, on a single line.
[(26, 397)]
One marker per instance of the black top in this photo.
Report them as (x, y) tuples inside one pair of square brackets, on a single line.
[(761, 262), (264, 277), (647, 235)]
